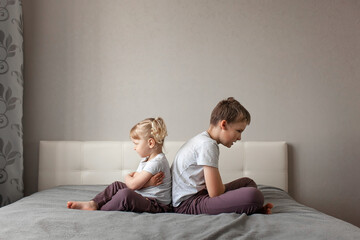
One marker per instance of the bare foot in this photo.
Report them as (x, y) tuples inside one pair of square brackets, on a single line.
[(267, 208), (90, 205)]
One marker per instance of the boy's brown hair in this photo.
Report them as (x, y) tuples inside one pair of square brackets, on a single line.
[(230, 110)]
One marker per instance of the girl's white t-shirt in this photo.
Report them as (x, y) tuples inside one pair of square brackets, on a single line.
[(159, 163)]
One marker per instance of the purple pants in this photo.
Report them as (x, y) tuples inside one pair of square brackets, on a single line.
[(241, 196), (118, 197)]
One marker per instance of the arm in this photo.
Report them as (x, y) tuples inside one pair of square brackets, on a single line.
[(213, 181), (155, 180), (136, 181)]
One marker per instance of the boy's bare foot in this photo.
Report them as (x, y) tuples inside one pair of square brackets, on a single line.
[(90, 205), (267, 208)]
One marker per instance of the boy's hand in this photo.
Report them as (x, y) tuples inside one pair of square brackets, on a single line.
[(155, 180)]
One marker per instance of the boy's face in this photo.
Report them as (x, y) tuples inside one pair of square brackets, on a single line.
[(231, 132)]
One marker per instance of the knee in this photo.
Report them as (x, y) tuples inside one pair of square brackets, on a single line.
[(255, 195), (250, 182), (123, 196), (259, 196), (125, 193), (120, 201)]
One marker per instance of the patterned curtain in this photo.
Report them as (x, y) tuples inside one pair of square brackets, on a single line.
[(11, 97)]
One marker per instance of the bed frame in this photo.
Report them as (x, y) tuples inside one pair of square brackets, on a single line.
[(102, 162), (84, 168)]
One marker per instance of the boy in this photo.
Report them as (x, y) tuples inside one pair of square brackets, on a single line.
[(197, 185)]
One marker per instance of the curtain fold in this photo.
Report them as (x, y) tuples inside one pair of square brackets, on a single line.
[(11, 101)]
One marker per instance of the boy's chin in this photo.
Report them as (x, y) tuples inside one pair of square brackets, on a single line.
[(228, 145)]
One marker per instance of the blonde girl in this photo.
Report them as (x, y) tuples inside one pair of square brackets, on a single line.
[(149, 188)]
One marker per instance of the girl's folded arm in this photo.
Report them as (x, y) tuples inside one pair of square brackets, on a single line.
[(213, 181), (155, 180), (138, 180)]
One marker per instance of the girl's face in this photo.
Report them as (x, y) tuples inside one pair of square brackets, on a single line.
[(231, 132), (142, 147)]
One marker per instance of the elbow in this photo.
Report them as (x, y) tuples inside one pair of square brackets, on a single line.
[(133, 186), (211, 195), (216, 192), (130, 183)]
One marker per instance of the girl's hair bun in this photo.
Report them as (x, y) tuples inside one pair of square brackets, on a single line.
[(150, 127)]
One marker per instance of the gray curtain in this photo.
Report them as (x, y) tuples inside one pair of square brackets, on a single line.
[(11, 101)]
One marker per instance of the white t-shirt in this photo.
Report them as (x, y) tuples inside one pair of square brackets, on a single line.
[(188, 166), (159, 163)]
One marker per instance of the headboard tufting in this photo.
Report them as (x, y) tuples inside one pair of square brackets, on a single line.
[(102, 162)]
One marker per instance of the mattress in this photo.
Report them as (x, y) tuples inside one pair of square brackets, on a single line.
[(44, 215)]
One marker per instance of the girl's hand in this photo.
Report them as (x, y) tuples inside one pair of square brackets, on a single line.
[(155, 180)]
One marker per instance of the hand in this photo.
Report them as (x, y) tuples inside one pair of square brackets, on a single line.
[(156, 180)]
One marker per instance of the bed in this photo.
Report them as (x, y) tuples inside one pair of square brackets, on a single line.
[(78, 170)]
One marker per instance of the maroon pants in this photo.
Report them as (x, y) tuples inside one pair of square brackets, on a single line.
[(118, 197), (241, 196)]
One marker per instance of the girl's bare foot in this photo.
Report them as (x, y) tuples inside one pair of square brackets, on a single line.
[(90, 205)]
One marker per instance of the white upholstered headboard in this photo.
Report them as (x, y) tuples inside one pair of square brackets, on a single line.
[(94, 162)]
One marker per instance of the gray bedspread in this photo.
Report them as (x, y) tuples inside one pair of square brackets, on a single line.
[(44, 215)]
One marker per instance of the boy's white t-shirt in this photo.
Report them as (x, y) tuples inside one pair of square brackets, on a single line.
[(159, 163), (188, 166)]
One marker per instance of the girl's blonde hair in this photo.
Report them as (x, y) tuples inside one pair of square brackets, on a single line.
[(150, 128)]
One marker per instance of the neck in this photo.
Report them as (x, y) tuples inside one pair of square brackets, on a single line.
[(213, 132), (155, 152)]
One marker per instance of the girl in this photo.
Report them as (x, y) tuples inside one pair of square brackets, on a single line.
[(149, 188)]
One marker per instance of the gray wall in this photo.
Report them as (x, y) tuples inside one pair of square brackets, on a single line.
[(94, 68)]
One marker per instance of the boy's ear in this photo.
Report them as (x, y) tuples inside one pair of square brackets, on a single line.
[(223, 124)]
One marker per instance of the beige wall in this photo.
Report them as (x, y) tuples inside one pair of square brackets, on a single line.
[(94, 68)]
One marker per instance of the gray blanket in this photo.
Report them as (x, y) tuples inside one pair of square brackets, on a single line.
[(44, 215)]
